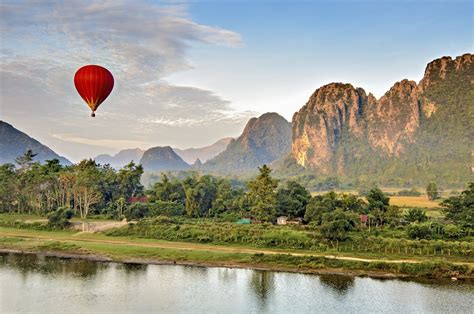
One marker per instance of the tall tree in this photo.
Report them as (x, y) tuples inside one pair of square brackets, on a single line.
[(262, 195), (432, 191), (292, 200), (378, 204), (8, 182)]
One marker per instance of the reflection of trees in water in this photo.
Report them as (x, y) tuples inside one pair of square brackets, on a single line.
[(338, 283), (133, 269), (32, 263), (262, 283), (226, 274)]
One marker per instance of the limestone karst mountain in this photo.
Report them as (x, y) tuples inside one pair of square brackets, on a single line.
[(423, 130)]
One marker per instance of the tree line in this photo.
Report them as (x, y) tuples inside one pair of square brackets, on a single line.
[(89, 188)]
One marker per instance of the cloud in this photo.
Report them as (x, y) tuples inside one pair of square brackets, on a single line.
[(108, 143), (43, 43)]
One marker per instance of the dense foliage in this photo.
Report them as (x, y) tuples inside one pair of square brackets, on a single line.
[(84, 188), (89, 188)]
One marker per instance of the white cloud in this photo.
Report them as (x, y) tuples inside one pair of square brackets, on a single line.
[(43, 43)]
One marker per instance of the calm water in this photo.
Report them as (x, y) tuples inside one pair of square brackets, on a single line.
[(30, 283)]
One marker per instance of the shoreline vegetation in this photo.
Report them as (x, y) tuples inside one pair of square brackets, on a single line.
[(102, 248), (88, 209)]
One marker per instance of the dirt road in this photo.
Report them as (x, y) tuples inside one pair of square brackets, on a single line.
[(185, 246)]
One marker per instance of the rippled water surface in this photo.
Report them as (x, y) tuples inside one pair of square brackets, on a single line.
[(30, 283)]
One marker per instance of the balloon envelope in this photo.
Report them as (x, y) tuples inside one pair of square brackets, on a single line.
[(94, 83)]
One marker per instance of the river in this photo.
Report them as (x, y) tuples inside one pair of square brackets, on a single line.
[(31, 283)]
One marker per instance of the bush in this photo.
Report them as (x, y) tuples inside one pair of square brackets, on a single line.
[(452, 232), (60, 218), (411, 192), (137, 211), (416, 215), (419, 231)]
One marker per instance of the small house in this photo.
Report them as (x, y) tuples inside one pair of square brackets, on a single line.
[(282, 220)]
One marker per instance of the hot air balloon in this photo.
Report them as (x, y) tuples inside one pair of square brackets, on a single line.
[(94, 83)]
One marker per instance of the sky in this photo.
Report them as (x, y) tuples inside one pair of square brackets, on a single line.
[(190, 73)]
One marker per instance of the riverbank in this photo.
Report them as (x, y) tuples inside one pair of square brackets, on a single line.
[(98, 247)]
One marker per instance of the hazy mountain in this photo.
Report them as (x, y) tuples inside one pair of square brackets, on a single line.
[(14, 143), (122, 158), (263, 140), (162, 159), (204, 153), (415, 131)]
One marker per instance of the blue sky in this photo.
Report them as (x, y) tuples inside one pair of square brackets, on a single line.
[(291, 48), (190, 73)]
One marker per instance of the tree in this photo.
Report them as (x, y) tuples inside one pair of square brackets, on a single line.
[(262, 195), (8, 183), (336, 225), (292, 200), (227, 199), (432, 191), (418, 231), (25, 160), (86, 192), (321, 204), (416, 215), (378, 204), (129, 180), (460, 209)]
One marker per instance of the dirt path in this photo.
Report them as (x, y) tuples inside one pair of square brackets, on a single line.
[(92, 227), (193, 246)]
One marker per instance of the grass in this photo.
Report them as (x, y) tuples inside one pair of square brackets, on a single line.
[(413, 201), (149, 250)]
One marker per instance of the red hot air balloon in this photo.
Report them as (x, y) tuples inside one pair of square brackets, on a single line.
[(94, 83)]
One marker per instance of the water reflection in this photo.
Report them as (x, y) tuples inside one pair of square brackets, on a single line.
[(133, 268), (262, 283), (32, 263), (339, 283), (31, 283)]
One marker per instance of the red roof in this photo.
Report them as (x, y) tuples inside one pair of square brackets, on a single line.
[(137, 199)]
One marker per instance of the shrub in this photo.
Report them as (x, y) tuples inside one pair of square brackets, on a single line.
[(60, 218), (137, 211), (411, 192), (416, 215), (419, 231), (452, 232)]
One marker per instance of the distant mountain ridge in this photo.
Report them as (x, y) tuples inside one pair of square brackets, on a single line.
[(164, 158), (190, 155), (122, 158), (263, 140), (14, 143)]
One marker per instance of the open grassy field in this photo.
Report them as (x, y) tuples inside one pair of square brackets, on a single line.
[(413, 201)]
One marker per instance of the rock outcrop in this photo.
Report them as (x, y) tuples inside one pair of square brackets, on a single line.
[(342, 127), (263, 140)]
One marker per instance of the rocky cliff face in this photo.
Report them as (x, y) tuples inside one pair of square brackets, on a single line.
[(263, 140), (319, 126), (341, 126)]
